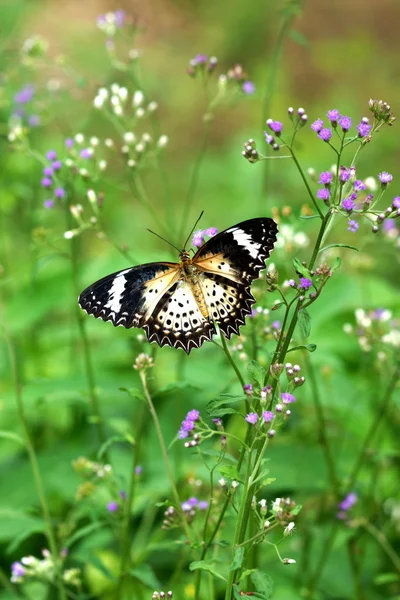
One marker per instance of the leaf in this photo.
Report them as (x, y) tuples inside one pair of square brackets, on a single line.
[(223, 399), (236, 593), (298, 37), (278, 305), (83, 532), (385, 578), (112, 440), (304, 322), (229, 471), (308, 347), (96, 562), (310, 217), (263, 583), (237, 559), (296, 510), (257, 372), (220, 412), (204, 565), (336, 264), (133, 393), (246, 573), (299, 268), (10, 435), (145, 574), (24, 535), (338, 246)]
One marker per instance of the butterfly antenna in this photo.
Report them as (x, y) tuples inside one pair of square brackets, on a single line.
[(163, 239), (194, 227)]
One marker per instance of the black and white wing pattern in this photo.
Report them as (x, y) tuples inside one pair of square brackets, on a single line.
[(129, 297), (230, 261)]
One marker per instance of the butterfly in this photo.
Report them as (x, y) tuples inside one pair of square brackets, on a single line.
[(179, 304)]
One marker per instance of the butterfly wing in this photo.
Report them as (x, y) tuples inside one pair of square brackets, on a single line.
[(230, 261), (177, 321), (129, 297)]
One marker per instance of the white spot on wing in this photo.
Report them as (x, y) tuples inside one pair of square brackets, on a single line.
[(115, 293), (246, 241)]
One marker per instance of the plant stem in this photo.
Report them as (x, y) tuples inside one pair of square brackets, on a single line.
[(382, 540), (51, 539), (229, 357)]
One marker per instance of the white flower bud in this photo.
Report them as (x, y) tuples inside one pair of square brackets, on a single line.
[(92, 197), (235, 484), (152, 106), (140, 147), (289, 561), (98, 102), (109, 143), (266, 524), (84, 172), (103, 93), (123, 93), (139, 114), (68, 236), (102, 165), (115, 88), (146, 137), (115, 100), (222, 482), (289, 529), (134, 54), (125, 149), (94, 141), (118, 110), (131, 163), (162, 141), (69, 162), (138, 98), (79, 138), (129, 137)]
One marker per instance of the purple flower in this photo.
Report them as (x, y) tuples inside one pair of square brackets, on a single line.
[(348, 501), (276, 325), (352, 226), (69, 142), (211, 231), (56, 165), (46, 182), (348, 204), (345, 123), (269, 138), (182, 434), (203, 505), (59, 192), (292, 283), (275, 126), (34, 120), (359, 185), (122, 494), (325, 134), (17, 569), (193, 501), (138, 470), (287, 398), (268, 416), (51, 155), (396, 202), (188, 425), (48, 171), (344, 174), (363, 129), (112, 507), (248, 87), (389, 224), (325, 177), (323, 194), (198, 239), (385, 177), (25, 94), (248, 389), (252, 418), (86, 153), (199, 59), (305, 283), (217, 422), (317, 125), (48, 203), (119, 17), (193, 415), (333, 115)]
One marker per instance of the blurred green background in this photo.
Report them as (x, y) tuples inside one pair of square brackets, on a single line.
[(333, 55)]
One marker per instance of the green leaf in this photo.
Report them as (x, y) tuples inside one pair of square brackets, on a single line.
[(385, 578), (298, 37), (278, 305), (220, 412), (257, 372), (83, 532), (296, 510), (338, 246), (304, 322), (301, 269), (336, 264), (112, 440), (223, 399), (310, 217), (10, 435), (145, 574), (263, 583), (229, 471), (204, 565), (24, 535), (246, 573), (236, 593), (133, 393), (237, 559), (308, 347)]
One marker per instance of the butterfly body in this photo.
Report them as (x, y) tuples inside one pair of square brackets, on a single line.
[(178, 304)]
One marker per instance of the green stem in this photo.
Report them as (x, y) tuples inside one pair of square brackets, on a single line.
[(382, 540), (296, 162), (35, 466), (229, 357)]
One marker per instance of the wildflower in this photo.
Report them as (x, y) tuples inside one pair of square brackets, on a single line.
[(69, 142), (289, 561), (287, 398), (193, 415), (46, 182), (348, 501), (248, 389), (271, 433), (323, 194), (352, 226), (59, 192), (24, 95), (363, 129), (326, 177), (211, 231), (56, 165), (186, 427), (396, 202), (48, 203), (33, 120), (305, 283), (86, 153), (325, 134), (203, 505), (359, 185), (17, 572), (143, 361), (267, 416), (252, 418), (344, 174), (333, 115), (345, 123), (51, 155), (112, 507), (348, 204), (248, 87), (275, 126), (385, 178), (288, 529), (198, 239), (138, 470), (317, 125)]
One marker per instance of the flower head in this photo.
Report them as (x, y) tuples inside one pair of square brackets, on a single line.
[(48, 203), (252, 418), (317, 125), (211, 231), (287, 398), (348, 204), (112, 507), (51, 155), (305, 283), (59, 192), (385, 177), (193, 415), (359, 185), (345, 123), (248, 87), (17, 571), (333, 115), (352, 226), (325, 134), (46, 182), (267, 416), (198, 238), (323, 194), (344, 174), (325, 177), (25, 94), (348, 501), (275, 126), (396, 202), (363, 129)]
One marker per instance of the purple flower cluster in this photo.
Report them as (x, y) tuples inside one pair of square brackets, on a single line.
[(188, 424), (201, 62), (192, 503), (335, 119), (22, 98), (48, 181), (346, 504), (198, 236), (275, 126)]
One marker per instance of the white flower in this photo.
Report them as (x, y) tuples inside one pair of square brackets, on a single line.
[(347, 328), (289, 529), (152, 106), (129, 137), (102, 165), (392, 338), (98, 102), (139, 114), (162, 141), (138, 98), (79, 138)]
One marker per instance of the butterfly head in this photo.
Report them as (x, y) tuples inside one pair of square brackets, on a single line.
[(184, 256)]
